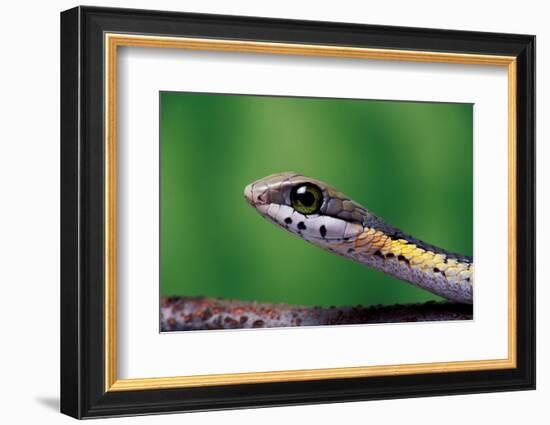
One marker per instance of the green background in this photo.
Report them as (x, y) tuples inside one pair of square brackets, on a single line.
[(411, 163)]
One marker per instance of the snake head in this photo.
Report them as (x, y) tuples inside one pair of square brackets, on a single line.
[(306, 207)]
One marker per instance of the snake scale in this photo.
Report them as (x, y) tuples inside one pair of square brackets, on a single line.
[(318, 213)]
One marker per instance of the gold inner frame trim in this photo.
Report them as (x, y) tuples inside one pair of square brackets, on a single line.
[(113, 41)]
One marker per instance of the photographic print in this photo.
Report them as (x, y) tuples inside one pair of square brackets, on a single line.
[(355, 211), (302, 194)]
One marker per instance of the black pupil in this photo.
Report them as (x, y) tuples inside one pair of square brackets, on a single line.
[(305, 197)]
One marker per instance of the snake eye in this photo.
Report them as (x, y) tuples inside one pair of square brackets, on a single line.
[(306, 198)]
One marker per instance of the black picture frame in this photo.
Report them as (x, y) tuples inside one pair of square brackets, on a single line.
[(83, 392)]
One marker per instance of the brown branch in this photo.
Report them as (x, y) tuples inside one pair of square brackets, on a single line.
[(201, 313)]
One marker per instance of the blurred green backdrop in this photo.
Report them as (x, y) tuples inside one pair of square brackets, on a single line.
[(409, 162)]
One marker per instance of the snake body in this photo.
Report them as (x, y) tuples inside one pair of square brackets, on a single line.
[(316, 212)]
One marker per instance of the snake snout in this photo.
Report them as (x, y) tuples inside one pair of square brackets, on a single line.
[(248, 194), (256, 195)]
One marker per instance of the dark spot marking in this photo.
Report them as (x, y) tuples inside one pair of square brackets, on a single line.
[(350, 250), (301, 225), (467, 279), (346, 239), (378, 254), (436, 270), (389, 255), (323, 230), (288, 220), (258, 324), (402, 258)]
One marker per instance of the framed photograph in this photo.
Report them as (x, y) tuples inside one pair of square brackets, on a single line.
[(261, 212)]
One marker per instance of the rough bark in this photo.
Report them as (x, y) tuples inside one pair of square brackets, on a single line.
[(201, 313)]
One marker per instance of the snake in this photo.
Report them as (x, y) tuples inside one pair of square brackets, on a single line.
[(325, 217)]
